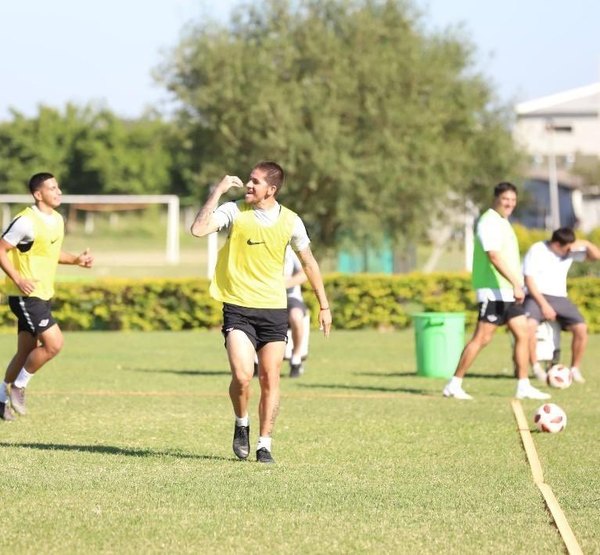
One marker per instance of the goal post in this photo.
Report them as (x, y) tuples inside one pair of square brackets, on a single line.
[(172, 202)]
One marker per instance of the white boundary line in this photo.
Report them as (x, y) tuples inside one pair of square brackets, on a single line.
[(559, 517)]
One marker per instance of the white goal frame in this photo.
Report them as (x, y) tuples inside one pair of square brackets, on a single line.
[(172, 202)]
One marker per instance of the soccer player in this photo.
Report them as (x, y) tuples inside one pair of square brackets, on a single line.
[(249, 281), (30, 249), (498, 282), (545, 267), (295, 277)]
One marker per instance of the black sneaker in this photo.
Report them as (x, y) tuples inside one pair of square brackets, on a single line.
[(296, 370), (263, 455), (6, 413), (241, 441)]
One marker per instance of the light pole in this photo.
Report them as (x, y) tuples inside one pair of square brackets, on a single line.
[(552, 173)]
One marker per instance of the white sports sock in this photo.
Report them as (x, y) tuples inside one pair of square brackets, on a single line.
[(523, 383), (264, 442), (574, 369), (538, 367), (296, 359), (244, 421), (23, 378), (456, 382), (3, 392)]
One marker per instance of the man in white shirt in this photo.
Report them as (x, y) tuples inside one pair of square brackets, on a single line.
[(545, 268)]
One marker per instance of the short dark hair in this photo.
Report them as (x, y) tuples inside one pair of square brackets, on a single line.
[(37, 181), (503, 187), (275, 174), (563, 236)]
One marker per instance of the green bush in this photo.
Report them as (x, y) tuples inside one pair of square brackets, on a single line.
[(358, 301)]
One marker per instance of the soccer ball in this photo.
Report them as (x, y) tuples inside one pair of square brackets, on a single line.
[(559, 376), (550, 418)]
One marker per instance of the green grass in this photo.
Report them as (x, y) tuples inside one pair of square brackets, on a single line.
[(127, 449)]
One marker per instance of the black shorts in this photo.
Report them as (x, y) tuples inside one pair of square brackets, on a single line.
[(567, 314), (293, 302), (33, 314), (499, 312), (261, 325)]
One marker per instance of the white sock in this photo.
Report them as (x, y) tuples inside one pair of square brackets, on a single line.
[(3, 392), (538, 367), (296, 359), (456, 382), (264, 442), (523, 383), (244, 421), (23, 378), (574, 369)]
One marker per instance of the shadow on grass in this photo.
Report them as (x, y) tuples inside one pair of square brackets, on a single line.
[(112, 450), (490, 376), (181, 372), (410, 373), (378, 389)]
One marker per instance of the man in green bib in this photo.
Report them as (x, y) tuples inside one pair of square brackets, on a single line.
[(498, 282), (249, 281), (30, 250)]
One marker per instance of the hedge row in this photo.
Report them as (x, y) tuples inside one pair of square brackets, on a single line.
[(358, 301)]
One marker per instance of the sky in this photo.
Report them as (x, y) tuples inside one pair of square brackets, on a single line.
[(103, 51)]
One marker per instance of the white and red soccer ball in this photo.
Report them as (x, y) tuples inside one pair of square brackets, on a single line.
[(550, 418), (559, 376)]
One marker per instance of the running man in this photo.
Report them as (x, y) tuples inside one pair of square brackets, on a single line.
[(30, 249)]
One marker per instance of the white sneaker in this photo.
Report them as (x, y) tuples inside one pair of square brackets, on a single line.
[(540, 374), (530, 392), (576, 375), (457, 393)]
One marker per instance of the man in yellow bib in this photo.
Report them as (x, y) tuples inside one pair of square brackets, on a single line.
[(249, 281), (30, 249)]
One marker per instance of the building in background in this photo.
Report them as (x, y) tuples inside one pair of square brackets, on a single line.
[(556, 131)]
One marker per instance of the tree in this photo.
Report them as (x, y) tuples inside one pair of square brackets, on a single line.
[(91, 150), (375, 120), (30, 145)]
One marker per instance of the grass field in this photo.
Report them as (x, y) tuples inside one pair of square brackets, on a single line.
[(127, 449)]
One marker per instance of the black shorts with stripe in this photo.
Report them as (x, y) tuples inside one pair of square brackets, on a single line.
[(499, 312), (261, 325), (33, 314)]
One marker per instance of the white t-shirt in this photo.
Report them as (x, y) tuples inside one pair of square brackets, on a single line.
[(548, 269), (492, 232), (292, 266), (226, 214), (20, 230)]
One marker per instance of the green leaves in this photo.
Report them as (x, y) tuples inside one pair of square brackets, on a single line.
[(375, 120), (90, 150)]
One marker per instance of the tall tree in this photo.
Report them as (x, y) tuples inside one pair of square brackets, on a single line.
[(380, 124), (90, 150)]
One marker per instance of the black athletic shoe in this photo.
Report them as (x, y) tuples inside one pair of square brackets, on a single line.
[(241, 441), (296, 370), (6, 413), (263, 455)]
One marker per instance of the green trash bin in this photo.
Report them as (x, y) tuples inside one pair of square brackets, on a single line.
[(439, 340)]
